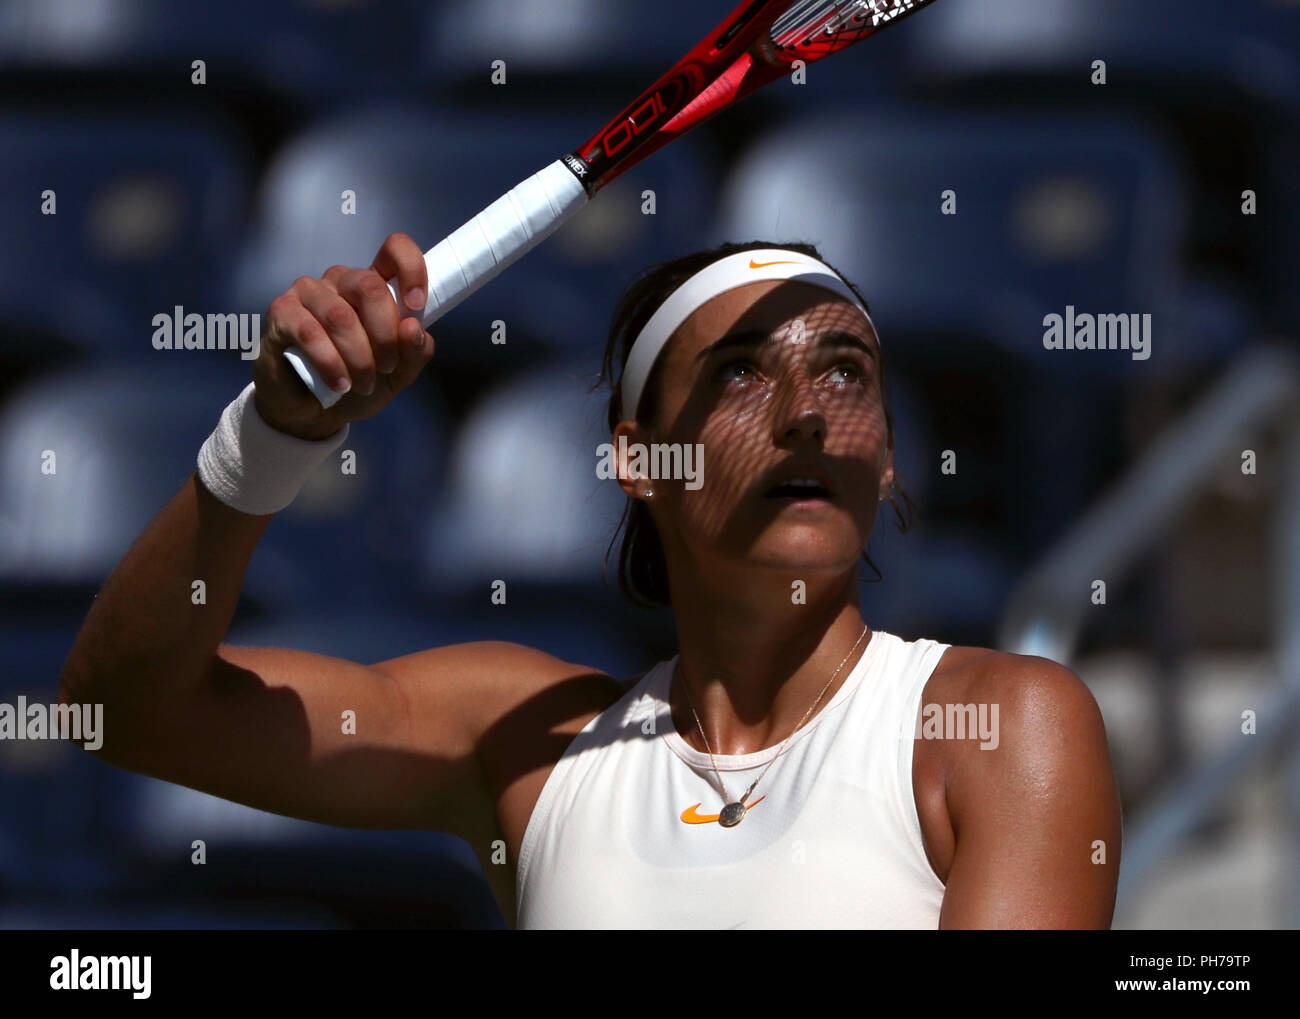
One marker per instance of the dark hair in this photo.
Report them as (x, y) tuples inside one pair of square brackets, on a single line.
[(642, 568)]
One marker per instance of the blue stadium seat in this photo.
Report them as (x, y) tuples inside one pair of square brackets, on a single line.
[(1185, 44), (524, 505), (112, 837), (355, 537), (1046, 216), (148, 215), (315, 50), (1221, 81), (113, 849), (523, 498), (425, 174), (937, 578), (118, 443), (125, 439), (942, 582), (540, 43)]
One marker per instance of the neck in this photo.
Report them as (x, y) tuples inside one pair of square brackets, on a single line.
[(754, 663)]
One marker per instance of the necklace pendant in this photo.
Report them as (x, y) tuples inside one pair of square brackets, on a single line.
[(732, 814)]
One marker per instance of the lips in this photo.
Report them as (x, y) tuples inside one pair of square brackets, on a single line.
[(798, 481), (806, 489)]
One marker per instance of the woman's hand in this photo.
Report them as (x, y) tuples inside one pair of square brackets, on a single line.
[(348, 326)]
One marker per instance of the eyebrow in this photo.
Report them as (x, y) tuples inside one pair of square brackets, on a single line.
[(748, 339)]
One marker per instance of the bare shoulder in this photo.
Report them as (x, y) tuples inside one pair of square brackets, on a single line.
[(1033, 813), (1037, 712), (1026, 688)]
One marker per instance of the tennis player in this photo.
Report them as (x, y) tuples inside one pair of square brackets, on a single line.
[(788, 767)]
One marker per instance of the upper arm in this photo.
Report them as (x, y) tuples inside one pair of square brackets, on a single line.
[(1036, 819), (390, 745)]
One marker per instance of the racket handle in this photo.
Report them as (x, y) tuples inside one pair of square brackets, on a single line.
[(470, 256)]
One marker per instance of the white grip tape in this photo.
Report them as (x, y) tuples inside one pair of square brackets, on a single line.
[(474, 253)]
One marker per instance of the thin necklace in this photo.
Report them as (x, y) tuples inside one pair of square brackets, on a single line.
[(734, 811)]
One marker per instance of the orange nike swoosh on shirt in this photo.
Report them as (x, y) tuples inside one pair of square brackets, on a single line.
[(760, 265), (691, 817)]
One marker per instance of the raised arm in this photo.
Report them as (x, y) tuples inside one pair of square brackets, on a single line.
[(265, 726)]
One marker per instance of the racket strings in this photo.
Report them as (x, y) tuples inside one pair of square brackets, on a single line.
[(816, 23)]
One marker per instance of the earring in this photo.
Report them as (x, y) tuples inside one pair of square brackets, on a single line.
[(649, 493)]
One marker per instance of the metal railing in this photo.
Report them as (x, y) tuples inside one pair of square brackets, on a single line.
[(1047, 612)]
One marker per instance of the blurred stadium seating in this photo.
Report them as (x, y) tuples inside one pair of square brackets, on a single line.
[(1041, 218), (62, 532), (1182, 45), (145, 214), (1125, 199), (523, 498), (317, 50), (572, 40), (1223, 81), (524, 505)]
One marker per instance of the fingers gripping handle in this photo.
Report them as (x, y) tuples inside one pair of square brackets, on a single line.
[(462, 262)]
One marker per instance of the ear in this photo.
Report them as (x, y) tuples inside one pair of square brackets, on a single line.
[(631, 434), (887, 475)]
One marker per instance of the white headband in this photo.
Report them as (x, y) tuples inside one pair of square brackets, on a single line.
[(717, 278)]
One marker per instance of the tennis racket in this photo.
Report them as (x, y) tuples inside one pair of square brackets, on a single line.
[(757, 43)]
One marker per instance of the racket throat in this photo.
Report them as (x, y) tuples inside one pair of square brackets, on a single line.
[(729, 87)]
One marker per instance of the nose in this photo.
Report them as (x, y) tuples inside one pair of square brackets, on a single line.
[(798, 415)]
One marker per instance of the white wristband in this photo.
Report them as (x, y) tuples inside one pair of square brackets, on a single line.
[(255, 468)]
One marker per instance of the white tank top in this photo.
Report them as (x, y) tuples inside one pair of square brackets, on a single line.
[(832, 838)]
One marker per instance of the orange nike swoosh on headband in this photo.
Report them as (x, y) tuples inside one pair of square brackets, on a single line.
[(690, 817), (760, 265)]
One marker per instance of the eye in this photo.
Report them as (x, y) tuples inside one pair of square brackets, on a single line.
[(852, 370), (731, 371)]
